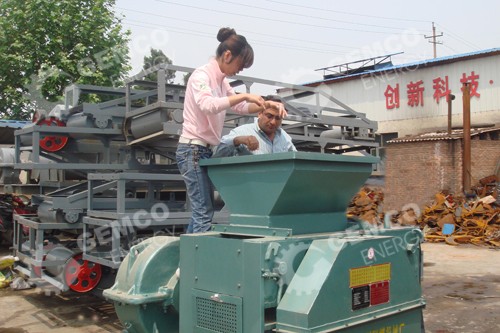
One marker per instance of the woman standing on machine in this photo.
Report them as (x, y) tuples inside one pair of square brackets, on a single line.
[(208, 96)]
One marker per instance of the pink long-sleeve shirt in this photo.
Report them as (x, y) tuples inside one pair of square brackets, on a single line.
[(206, 102)]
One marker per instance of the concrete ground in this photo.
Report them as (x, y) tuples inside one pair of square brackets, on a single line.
[(461, 286)]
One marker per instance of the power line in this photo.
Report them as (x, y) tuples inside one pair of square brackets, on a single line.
[(278, 20), (183, 31), (310, 16), (458, 38), (255, 42), (252, 32), (349, 13), (452, 49)]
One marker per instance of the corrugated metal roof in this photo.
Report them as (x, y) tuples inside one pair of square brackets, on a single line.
[(408, 66), (13, 123), (456, 134)]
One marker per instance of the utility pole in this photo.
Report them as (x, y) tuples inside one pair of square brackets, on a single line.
[(449, 98), (433, 41), (466, 153)]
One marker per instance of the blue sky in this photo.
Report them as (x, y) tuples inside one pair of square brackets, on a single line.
[(292, 39)]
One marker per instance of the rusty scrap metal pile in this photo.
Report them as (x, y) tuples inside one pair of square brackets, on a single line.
[(453, 219), (367, 205)]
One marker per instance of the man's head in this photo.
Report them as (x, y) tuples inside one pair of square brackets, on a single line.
[(269, 119)]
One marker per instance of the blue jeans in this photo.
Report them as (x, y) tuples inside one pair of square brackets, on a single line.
[(198, 185)]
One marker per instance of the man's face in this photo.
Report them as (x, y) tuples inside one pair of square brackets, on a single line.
[(269, 120)]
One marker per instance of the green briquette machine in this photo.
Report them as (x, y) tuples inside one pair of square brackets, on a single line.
[(288, 261)]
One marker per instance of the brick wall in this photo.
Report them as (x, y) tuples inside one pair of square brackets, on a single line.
[(416, 171), (485, 154)]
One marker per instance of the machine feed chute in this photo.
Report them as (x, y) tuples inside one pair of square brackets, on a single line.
[(298, 191)]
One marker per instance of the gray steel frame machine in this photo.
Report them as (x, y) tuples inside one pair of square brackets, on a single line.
[(115, 163)]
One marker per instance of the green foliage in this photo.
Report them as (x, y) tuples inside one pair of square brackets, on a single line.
[(158, 57), (48, 45)]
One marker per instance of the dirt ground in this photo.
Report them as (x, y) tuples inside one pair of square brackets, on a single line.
[(461, 287)]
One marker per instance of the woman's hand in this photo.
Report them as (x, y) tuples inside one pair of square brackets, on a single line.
[(256, 99), (277, 106)]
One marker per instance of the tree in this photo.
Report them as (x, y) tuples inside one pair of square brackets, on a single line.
[(155, 58), (47, 45)]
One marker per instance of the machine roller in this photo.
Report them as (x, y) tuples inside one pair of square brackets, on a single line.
[(289, 261), (48, 142), (7, 173), (66, 269)]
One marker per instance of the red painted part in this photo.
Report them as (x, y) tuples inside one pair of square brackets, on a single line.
[(26, 230), (20, 200), (21, 211), (36, 116), (82, 275), (22, 207), (37, 269), (26, 210), (52, 143)]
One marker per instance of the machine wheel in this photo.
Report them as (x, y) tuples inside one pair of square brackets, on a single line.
[(82, 275), (52, 143)]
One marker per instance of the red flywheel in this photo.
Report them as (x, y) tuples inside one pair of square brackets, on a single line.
[(52, 143), (82, 275)]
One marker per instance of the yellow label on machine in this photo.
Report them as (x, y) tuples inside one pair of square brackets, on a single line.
[(398, 328), (369, 274)]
